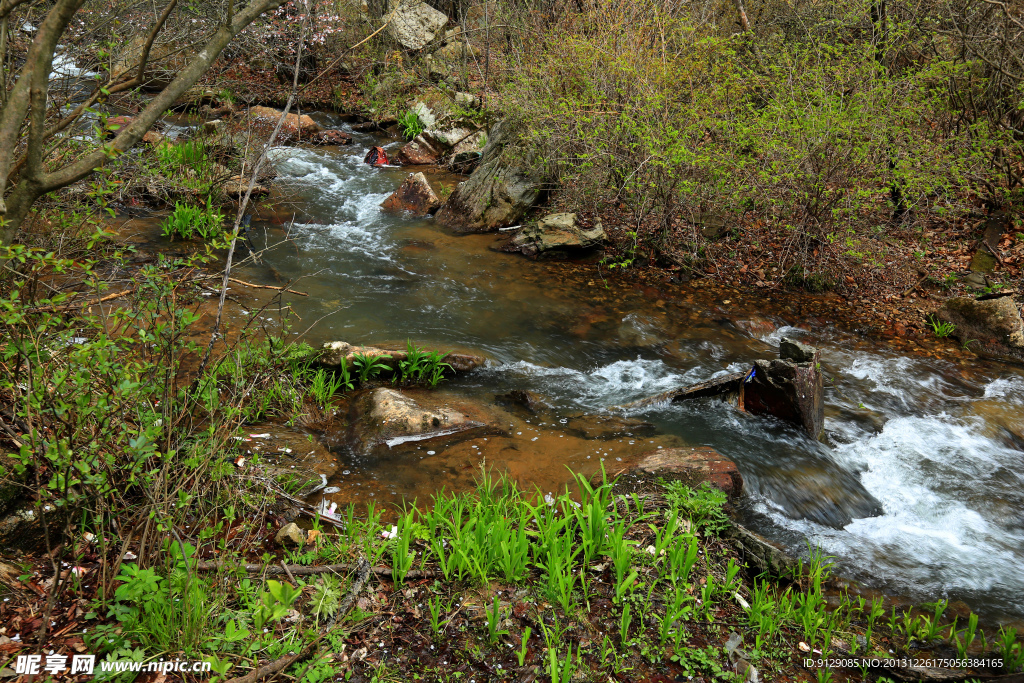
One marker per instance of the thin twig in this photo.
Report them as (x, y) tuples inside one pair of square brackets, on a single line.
[(65, 307)]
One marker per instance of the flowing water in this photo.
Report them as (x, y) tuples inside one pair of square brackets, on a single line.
[(931, 442)]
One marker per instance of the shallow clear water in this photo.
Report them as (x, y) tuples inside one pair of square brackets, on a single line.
[(927, 439)]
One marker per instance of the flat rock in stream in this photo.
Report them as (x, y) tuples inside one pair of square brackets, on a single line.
[(334, 353), (387, 418), (693, 466), (556, 235)]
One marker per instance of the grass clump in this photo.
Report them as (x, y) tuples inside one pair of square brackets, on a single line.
[(187, 221)]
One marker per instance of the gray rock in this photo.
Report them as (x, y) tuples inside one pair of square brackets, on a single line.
[(798, 352), (425, 115), (414, 23), (290, 534), (557, 235), (466, 99), (498, 193)]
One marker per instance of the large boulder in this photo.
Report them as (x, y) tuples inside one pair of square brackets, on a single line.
[(498, 193), (295, 126), (414, 23), (557, 235), (789, 390), (414, 195), (991, 327)]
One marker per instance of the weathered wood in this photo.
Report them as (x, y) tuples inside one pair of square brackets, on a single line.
[(718, 386)]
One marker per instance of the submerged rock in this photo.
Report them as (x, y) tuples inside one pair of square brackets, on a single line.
[(531, 401), (692, 466), (498, 193), (385, 417), (823, 493), (414, 23), (607, 427), (414, 195), (990, 327), (556, 235)]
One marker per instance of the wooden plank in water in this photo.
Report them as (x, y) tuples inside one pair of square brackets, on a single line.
[(718, 386)]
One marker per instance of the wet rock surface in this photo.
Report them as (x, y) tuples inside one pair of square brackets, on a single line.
[(788, 391), (692, 466), (386, 418), (414, 195), (556, 235), (821, 492), (989, 327)]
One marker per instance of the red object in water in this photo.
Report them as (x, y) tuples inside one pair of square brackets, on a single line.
[(376, 157)]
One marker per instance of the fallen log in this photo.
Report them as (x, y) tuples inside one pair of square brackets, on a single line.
[(729, 386)]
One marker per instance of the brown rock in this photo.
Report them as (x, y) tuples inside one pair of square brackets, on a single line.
[(414, 195), (790, 391), (422, 150), (693, 466), (153, 138), (991, 327), (295, 127), (385, 417)]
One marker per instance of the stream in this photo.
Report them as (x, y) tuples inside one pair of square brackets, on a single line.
[(930, 442)]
